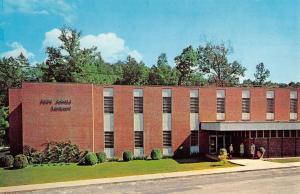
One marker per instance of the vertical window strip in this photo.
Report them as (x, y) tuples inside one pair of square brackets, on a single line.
[(245, 105), (194, 105), (167, 105), (109, 139), (220, 105), (167, 138), (108, 105), (270, 105), (194, 138), (138, 104), (294, 105), (138, 139)]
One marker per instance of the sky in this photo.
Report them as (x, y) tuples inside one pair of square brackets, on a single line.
[(265, 31)]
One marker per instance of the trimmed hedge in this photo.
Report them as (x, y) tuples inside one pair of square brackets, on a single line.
[(127, 156), (20, 161), (6, 161), (101, 157), (156, 154), (89, 158)]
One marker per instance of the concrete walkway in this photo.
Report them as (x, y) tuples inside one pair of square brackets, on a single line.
[(246, 165)]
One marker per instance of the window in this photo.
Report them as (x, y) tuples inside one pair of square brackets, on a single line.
[(279, 133), (167, 138), (245, 105), (108, 105), (194, 105), (109, 139), (298, 133), (167, 105), (220, 105), (138, 139), (293, 105), (266, 134), (253, 134), (286, 133), (273, 133), (270, 105), (247, 134), (194, 138), (293, 133), (260, 134), (138, 104)]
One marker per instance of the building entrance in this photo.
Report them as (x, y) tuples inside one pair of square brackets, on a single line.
[(216, 142)]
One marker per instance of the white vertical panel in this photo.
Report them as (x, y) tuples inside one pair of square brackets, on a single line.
[(270, 116), (138, 93), (245, 116), (167, 121), (167, 151), (110, 152), (194, 149), (138, 122), (166, 93), (194, 121), (108, 122), (293, 95), (245, 94), (108, 92), (138, 151), (220, 116), (220, 94), (293, 116), (194, 93), (270, 94)]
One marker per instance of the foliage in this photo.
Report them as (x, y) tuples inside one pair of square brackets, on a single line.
[(6, 161), (20, 161), (4, 125), (261, 74), (223, 155), (213, 61), (162, 73), (186, 62), (33, 156), (127, 156), (101, 157), (156, 154), (90, 158)]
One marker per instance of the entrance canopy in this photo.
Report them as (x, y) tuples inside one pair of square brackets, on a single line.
[(249, 126)]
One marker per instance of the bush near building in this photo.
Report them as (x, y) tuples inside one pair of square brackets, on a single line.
[(101, 157), (156, 154), (20, 161), (127, 156), (6, 161), (89, 158)]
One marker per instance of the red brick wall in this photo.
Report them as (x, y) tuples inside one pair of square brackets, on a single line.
[(98, 119), (233, 104), (258, 104), (207, 104), (15, 121), (40, 124), (152, 118), (123, 112), (203, 141), (297, 147), (298, 93), (181, 120), (282, 104)]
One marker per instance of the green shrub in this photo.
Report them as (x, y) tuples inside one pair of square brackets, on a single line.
[(90, 158), (101, 157), (6, 161), (156, 154), (61, 152), (20, 161), (127, 156)]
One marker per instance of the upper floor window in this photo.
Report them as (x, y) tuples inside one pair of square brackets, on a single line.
[(167, 105), (246, 101), (138, 104), (270, 101), (108, 104), (220, 101), (194, 105), (293, 102)]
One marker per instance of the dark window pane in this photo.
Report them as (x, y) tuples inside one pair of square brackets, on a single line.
[(167, 105), (108, 105), (270, 105), (109, 139), (273, 133), (286, 133), (220, 105), (194, 105), (293, 133), (293, 105), (260, 134), (253, 134), (138, 104), (138, 139), (167, 138), (266, 134), (194, 138), (246, 105), (247, 134), (279, 133)]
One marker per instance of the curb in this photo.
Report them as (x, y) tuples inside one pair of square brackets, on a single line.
[(117, 180)]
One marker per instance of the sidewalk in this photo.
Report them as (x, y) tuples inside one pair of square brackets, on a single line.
[(246, 165)]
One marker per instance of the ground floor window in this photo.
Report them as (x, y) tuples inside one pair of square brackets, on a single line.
[(194, 138), (109, 139), (167, 138)]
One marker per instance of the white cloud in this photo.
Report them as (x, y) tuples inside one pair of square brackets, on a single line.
[(112, 47), (17, 49), (41, 7)]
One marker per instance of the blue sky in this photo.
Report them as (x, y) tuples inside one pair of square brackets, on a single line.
[(259, 31)]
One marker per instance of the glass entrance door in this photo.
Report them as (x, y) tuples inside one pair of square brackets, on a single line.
[(216, 142)]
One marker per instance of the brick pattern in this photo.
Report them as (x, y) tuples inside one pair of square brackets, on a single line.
[(282, 104), (207, 104), (258, 104), (98, 119), (233, 104)]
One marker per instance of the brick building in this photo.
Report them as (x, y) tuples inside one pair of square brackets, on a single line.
[(178, 120)]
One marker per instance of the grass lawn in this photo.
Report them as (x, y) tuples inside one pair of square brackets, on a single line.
[(285, 160), (68, 172)]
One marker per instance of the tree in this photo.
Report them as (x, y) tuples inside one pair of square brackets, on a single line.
[(261, 74), (163, 73), (133, 73), (186, 63), (4, 125), (214, 63)]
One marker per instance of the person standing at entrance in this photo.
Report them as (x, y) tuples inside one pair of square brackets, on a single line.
[(252, 150), (230, 151), (242, 149)]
